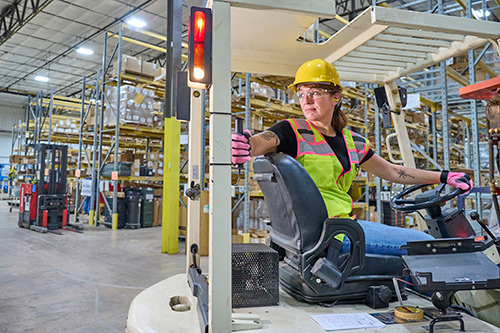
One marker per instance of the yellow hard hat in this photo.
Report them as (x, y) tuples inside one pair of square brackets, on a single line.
[(317, 70)]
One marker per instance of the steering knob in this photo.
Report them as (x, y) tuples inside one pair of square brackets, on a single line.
[(474, 215)]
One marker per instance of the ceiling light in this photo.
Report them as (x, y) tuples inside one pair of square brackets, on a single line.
[(84, 51), (136, 23), (480, 13), (41, 78)]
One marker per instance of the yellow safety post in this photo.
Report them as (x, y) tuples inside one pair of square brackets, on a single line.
[(246, 237), (91, 218), (114, 222), (171, 173)]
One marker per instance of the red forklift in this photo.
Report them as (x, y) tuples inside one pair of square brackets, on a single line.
[(43, 203)]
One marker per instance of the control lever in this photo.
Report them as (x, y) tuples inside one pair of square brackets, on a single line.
[(475, 216), (194, 251), (193, 191)]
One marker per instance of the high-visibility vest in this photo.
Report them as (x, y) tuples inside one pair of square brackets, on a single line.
[(319, 160)]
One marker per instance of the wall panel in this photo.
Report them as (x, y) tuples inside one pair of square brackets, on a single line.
[(8, 116)]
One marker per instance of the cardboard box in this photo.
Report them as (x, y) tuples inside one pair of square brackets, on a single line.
[(155, 156), (183, 217), (236, 237), (158, 107), (130, 65), (139, 157), (157, 212), (158, 121), (359, 212), (148, 69), (27, 160), (254, 238), (126, 156), (16, 158), (204, 223), (158, 172), (118, 194), (419, 118), (373, 214), (256, 122), (90, 120), (135, 170), (160, 74)]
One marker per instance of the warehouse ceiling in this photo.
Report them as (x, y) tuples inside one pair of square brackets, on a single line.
[(45, 43)]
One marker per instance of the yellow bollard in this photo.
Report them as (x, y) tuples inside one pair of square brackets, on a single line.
[(114, 222), (91, 218), (246, 238)]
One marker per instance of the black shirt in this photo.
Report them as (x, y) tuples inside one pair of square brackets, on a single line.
[(288, 144)]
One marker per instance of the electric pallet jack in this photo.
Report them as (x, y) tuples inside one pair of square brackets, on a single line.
[(43, 203)]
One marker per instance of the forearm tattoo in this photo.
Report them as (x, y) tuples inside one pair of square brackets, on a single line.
[(268, 136), (404, 175)]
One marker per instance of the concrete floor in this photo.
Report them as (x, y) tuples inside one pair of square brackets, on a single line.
[(76, 282)]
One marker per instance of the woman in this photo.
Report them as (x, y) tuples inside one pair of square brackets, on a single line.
[(332, 154)]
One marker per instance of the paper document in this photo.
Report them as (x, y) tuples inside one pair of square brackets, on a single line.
[(346, 321)]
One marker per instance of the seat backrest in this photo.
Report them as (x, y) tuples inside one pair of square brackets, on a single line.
[(296, 207)]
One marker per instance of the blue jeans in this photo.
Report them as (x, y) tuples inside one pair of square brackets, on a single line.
[(384, 239)]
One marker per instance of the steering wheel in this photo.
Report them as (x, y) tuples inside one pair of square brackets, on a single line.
[(424, 200)]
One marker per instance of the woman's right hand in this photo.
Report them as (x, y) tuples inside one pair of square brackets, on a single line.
[(240, 147)]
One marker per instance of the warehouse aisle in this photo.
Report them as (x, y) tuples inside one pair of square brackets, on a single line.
[(76, 282)]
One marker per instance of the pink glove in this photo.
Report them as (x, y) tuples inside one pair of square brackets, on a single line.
[(240, 147), (457, 179)]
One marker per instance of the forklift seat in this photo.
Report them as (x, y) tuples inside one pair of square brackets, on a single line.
[(313, 269)]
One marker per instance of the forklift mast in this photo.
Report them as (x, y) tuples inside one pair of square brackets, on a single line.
[(43, 203), (51, 169)]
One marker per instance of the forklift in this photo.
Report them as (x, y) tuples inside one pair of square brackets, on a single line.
[(43, 204)]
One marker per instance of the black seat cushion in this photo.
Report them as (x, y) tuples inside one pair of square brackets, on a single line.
[(296, 207)]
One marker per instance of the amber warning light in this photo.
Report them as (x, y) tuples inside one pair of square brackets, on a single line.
[(200, 48)]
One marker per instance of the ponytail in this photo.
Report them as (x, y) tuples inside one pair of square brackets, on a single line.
[(339, 119)]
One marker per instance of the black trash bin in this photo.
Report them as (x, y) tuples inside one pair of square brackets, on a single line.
[(133, 198), (147, 207), (121, 209)]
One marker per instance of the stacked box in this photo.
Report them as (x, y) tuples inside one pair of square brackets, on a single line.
[(68, 126), (155, 157), (158, 121), (157, 215), (135, 170), (158, 115), (130, 65), (148, 69), (135, 66), (14, 159), (90, 120), (139, 156), (136, 105), (160, 74)]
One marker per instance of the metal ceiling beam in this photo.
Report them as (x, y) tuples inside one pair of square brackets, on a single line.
[(481, 64), (14, 16), (84, 40), (18, 92)]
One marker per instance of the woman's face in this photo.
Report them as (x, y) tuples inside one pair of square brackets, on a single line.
[(317, 103)]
